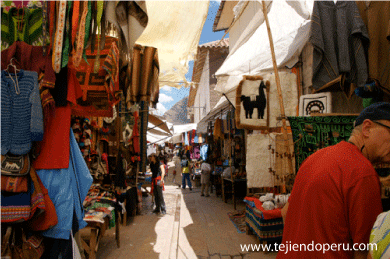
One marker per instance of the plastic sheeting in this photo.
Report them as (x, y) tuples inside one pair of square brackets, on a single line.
[(174, 28), (251, 55)]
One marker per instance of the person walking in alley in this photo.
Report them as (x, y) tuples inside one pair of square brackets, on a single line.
[(336, 196), (205, 177), (185, 172), (176, 161), (158, 173)]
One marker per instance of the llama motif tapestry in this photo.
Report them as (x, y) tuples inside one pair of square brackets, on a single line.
[(252, 103), (315, 103), (249, 91)]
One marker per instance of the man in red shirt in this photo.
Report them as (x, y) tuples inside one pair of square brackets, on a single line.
[(337, 194)]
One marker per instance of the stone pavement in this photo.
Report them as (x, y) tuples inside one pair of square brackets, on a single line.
[(194, 227)]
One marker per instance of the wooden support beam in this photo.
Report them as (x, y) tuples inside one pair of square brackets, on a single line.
[(277, 79)]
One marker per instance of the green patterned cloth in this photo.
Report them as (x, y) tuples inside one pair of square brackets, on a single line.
[(313, 133), (30, 30)]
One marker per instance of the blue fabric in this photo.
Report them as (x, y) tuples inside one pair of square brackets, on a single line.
[(184, 178), (196, 139), (203, 151), (21, 114), (186, 139), (67, 189)]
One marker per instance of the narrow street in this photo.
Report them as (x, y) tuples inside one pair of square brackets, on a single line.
[(194, 227)]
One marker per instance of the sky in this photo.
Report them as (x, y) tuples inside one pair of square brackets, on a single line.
[(170, 95)]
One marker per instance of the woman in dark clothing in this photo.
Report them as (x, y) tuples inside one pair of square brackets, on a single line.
[(158, 172)]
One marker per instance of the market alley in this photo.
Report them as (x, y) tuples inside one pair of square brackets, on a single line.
[(194, 227)]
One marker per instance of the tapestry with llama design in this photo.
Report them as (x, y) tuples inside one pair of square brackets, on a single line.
[(252, 106)]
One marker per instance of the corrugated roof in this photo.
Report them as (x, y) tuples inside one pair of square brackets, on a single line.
[(199, 63)]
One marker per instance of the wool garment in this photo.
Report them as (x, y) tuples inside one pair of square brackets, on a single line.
[(54, 149), (21, 114), (376, 16), (31, 31), (30, 58), (340, 38)]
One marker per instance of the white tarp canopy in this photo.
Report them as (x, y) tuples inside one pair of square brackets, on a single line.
[(174, 27), (251, 55), (159, 137), (178, 130)]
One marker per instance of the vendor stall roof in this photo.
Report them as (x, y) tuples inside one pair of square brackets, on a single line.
[(251, 55), (158, 124), (222, 105)]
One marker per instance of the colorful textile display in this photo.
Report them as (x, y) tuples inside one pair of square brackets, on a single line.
[(99, 90), (270, 230), (313, 133)]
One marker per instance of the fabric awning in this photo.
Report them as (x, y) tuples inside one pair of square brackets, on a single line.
[(158, 124), (174, 28), (222, 106), (251, 55)]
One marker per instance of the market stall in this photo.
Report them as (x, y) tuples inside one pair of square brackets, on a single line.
[(76, 91)]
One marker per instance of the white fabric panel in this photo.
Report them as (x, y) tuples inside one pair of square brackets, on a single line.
[(258, 162), (288, 83), (251, 53), (174, 27)]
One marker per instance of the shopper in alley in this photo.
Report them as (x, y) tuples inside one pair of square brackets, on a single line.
[(205, 177), (158, 173), (336, 196), (186, 172)]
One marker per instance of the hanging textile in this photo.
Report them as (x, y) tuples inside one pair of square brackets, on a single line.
[(21, 24), (144, 128), (203, 151), (218, 129), (375, 15), (21, 112), (67, 189), (340, 40), (100, 90), (144, 76), (53, 150), (313, 133), (30, 58), (186, 142), (135, 135)]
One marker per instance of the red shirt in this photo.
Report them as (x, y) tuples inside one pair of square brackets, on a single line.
[(335, 200)]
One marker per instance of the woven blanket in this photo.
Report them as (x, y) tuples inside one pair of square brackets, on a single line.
[(266, 230), (99, 89), (265, 214), (313, 133)]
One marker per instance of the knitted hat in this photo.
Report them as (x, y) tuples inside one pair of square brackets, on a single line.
[(374, 112)]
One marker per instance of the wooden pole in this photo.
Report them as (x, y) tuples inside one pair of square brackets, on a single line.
[(277, 79)]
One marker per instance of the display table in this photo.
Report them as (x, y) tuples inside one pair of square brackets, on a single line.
[(230, 186), (267, 225), (97, 230)]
